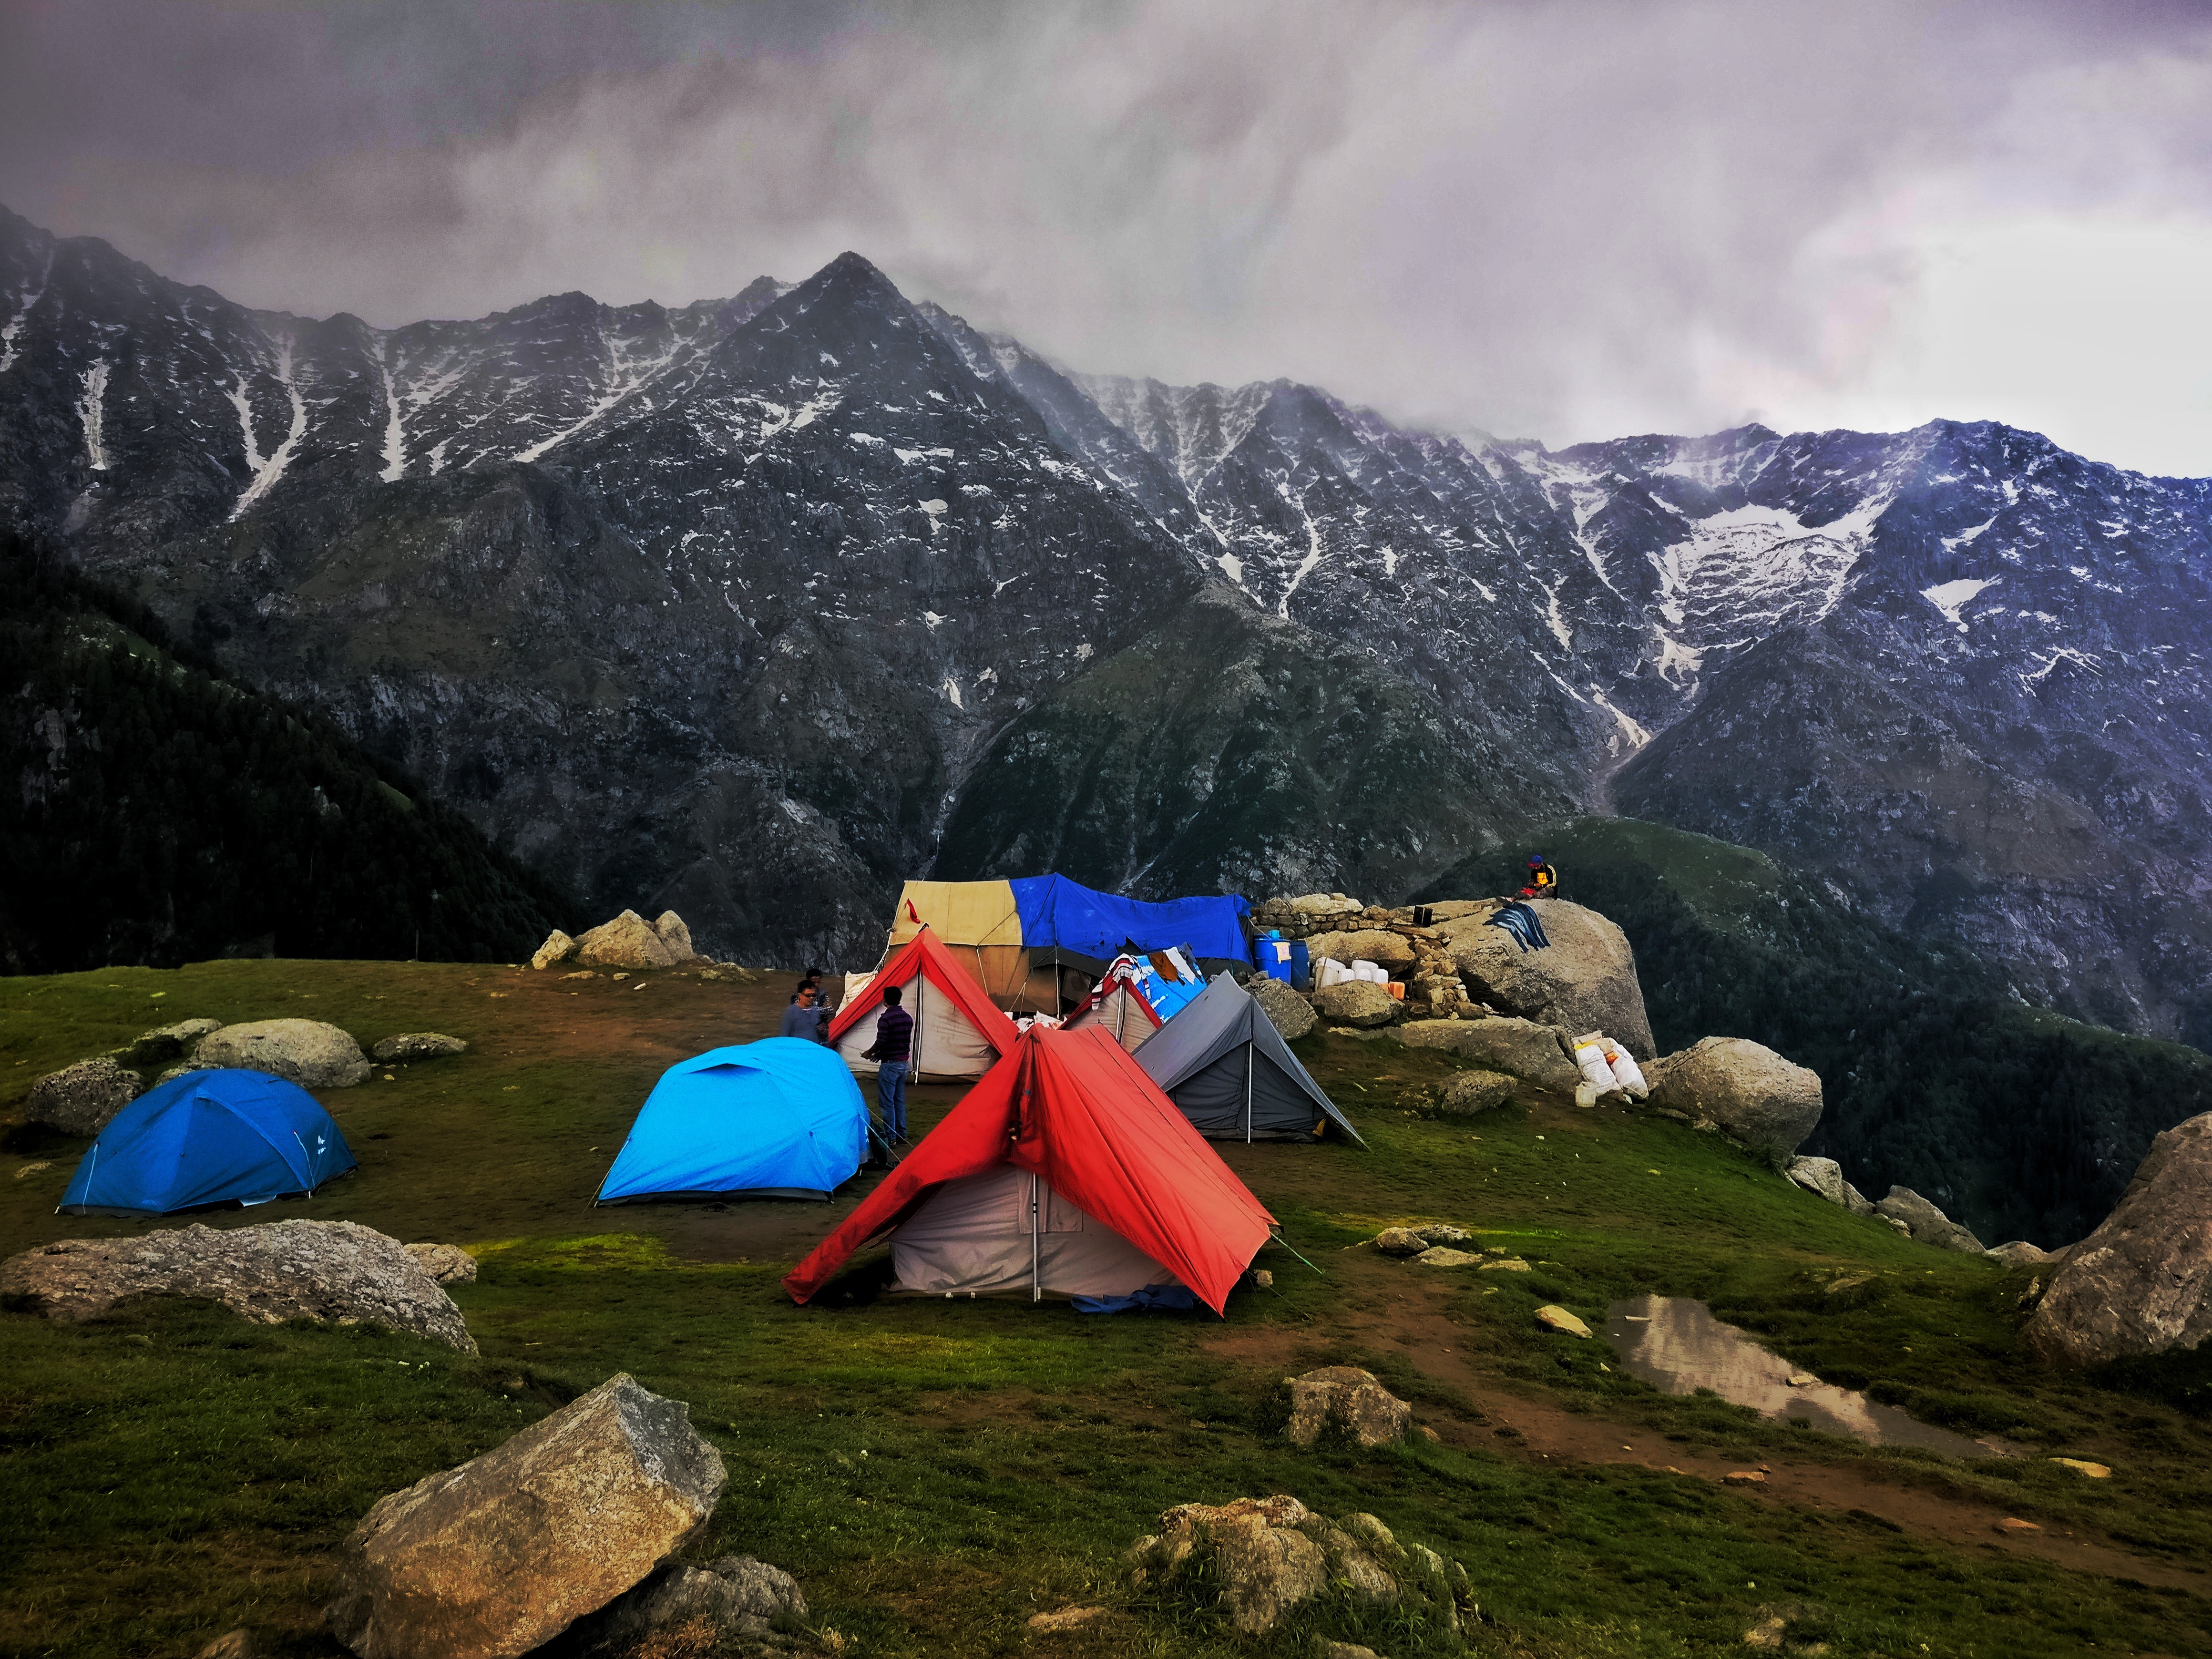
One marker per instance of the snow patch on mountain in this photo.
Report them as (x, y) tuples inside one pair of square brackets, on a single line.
[(1953, 597)]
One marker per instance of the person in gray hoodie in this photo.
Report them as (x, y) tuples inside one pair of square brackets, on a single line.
[(799, 1019)]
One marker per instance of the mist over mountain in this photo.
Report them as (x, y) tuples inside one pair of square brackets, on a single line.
[(757, 607)]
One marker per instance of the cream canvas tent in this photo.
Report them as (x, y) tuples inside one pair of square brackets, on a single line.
[(957, 1031), (1119, 1004)]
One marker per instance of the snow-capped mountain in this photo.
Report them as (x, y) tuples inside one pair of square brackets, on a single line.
[(753, 606)]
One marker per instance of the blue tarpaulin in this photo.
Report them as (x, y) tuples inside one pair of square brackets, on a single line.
[(209, 1137), (781, 1117), (1059, 913)]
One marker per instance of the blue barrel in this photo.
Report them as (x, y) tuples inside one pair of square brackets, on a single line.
[(1301, 966), (1275, 960)]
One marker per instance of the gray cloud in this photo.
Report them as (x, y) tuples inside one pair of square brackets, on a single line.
[(1567, 218)]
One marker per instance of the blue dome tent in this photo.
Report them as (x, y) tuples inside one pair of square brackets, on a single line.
[(779, 1118), (209, 1136)]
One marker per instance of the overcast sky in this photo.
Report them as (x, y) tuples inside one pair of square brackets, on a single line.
[(1565, 219)]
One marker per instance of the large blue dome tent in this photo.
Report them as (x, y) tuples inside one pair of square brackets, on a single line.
[(779, 1118), (211, 1136)]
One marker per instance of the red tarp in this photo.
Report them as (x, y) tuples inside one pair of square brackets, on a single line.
[(923, 957), (1074, 1108)]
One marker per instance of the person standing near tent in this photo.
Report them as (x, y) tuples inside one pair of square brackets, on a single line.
[(799, 1019), (894, 1041)]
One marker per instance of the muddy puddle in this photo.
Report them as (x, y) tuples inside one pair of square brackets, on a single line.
[(1678, 1345)]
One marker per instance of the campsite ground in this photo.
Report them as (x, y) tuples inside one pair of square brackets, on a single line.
[(934, 1474)]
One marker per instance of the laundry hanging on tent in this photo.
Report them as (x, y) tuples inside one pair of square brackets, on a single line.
[(1524, 924), (209, 1136)]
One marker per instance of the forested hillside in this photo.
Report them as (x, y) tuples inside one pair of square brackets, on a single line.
[(2019, 1123), (156, 812)]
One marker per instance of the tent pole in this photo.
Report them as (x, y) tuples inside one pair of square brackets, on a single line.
[(1036, 1288), (1248, 1090)]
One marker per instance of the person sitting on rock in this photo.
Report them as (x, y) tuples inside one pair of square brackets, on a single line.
[(1543, 878)]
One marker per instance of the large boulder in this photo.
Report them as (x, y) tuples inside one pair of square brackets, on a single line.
[(1585, 980), (496, 1556), (1745, 1089), (628, 941), (675, 935), (1357, 1002), (307, 1052), (417, 1045), (1927, 1223), (2141, 1283), (1379, 945), (337, 1272), (1519, 1047), (732, 1598), (1352, 1399), (80, 1099), (1287, 1011), (1823, 1177), (558, 947)]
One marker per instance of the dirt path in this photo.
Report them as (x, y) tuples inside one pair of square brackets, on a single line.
[(1382, 1309)]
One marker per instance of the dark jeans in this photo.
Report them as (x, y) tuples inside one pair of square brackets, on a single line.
[(890, 1095)]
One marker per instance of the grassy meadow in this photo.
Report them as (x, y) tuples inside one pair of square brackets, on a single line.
[(935, 1473)]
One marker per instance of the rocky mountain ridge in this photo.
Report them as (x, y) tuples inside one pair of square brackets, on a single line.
[(752, 607)]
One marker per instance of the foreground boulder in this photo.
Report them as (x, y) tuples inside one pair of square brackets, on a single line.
[(1357, 1002), (498, 1555), (335, 1272), (1743, 1088), (417, 1045), (81, 1099), (733, 1598), (2141, 1283), (1519, 1047), (307, 1052), (1291, 1014), (1925, 1223), (1352, 1399), (1586, 981), (1259, 1558)]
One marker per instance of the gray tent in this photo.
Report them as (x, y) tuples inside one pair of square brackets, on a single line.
[(1222, 1060)]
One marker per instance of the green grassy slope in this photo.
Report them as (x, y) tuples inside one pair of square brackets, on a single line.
[(935, 1473), (158, 813), (2020, 1123)]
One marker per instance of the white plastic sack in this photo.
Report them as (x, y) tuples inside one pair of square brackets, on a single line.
[(1591, 1058), (1627, 1073)]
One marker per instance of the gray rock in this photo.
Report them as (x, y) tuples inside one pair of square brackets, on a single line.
[(1345, 1394), (1472, 1092), (81, 1099), (1399, 1240), (1444, 1255), (1925, 1223), (1743, 1088), (417, 1045), (732, 1597), (1586, 981), (307, 1051), (2141, 1283), (1379, 945), (1856, 1201), (167, 1043), (1290, 1013), (1358, 1003), (1821, 1175), (675, 935), (1520, 1047), (496, 1557), (558, 947), (449, 1264), (335, 1272), (628, 941)]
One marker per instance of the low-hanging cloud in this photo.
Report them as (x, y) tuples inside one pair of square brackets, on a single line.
[(1561, 218)]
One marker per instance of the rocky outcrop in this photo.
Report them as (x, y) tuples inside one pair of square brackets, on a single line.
[(2141, 1283), (558, 947), (1472, 1092), (81, 1099), (1743, 1088), (496, 1556), (335, 1272), (417, 1045), (1585, 980), (1357, 1002), (628, 941), (1287, 1011), (1260, 1558), (449, 1264), (2019, 1253), (1925, 1223), (1382, 947), (307, 1052), (1519, 1047), (730, 1600), (1353, 1399)]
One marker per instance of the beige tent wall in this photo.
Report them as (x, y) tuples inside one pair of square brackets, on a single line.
[(946, 1045), (1117, 1011), (972, 1237)]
